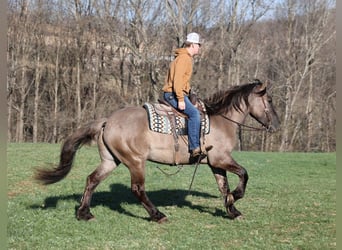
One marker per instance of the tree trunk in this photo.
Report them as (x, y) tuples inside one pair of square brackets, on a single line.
[(56, 86), (309, 113), (287, 112), (9, 116), (36, 99), (221, 58), (20, 121), (78, 92), (10, 86)]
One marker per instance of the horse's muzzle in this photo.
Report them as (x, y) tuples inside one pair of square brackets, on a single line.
[(272, 129)]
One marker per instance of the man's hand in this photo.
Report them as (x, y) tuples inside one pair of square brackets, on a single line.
[(181, 105)]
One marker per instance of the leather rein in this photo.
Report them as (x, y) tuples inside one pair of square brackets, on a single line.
[(251, 128)]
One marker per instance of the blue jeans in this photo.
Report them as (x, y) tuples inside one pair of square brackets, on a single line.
[(194, 118)]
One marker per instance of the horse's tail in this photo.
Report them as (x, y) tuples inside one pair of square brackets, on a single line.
[(81, 136)]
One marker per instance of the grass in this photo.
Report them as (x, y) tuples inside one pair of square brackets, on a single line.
[(290, 203)]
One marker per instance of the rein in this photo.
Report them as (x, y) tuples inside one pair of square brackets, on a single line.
[(244, 125), (180, 167)]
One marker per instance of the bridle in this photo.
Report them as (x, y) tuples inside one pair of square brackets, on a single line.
[(251, 128)]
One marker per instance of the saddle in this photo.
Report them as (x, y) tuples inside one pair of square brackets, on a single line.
[(164, 108), (163, 118)]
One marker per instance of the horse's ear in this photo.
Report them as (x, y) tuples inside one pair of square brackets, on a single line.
[(261, 87)]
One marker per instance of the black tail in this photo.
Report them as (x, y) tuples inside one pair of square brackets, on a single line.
[(72, 143)]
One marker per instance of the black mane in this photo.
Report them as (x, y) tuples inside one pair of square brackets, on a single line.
[(222, 101)]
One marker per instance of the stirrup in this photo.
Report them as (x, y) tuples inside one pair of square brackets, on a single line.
[(197, 158), (197, 155)]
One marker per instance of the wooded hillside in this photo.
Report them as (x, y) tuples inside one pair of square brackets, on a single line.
[(72, 61)]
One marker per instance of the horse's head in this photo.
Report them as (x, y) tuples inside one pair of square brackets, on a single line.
[(261, 107)]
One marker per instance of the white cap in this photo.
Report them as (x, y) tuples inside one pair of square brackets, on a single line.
[(193, 38)]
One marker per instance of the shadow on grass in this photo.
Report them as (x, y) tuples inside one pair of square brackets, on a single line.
[(120, 194)]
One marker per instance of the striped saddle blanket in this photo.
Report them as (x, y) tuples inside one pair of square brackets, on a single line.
[(159, 120)]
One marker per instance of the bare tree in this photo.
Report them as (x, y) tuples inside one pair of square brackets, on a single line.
[(304, 38), (82, 59), (39, 52), (182, 15), (20, 52)]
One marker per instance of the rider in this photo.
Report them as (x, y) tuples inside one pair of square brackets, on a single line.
[(177, 90)]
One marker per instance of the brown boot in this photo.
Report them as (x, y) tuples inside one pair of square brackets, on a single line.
[(197, 155)]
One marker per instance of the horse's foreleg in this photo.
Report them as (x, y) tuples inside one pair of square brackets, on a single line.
[(228, 198), (138, 189), (93, 180), (240, 171)]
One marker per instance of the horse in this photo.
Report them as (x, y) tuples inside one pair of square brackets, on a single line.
[(125, 137)]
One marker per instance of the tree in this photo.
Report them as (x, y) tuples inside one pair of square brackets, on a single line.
[(304, 39), (73, 61), (20, 49)]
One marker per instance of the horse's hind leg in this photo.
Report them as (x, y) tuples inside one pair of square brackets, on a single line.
[(108, 163), (138, 189), (93, 180)]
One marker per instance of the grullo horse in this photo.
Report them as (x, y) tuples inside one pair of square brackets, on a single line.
[(125, 137)]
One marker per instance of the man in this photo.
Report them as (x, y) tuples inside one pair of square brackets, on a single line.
[(177, 89)]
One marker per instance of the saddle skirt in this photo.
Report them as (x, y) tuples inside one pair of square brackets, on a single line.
[(159, 120)]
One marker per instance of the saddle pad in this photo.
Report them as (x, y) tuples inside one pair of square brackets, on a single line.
[(161, 123)]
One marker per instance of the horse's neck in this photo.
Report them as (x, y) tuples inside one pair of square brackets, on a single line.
[(237, 116)]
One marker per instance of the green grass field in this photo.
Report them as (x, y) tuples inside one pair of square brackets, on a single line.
[(290, 203)]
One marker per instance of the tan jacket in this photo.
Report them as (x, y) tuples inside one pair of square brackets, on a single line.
[(179, 74)]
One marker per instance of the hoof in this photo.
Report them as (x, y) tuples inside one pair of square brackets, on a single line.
[(85, 214), (240, 217), (162, 220), (233, 213), (159, 217), (88, 217), (230, 215)]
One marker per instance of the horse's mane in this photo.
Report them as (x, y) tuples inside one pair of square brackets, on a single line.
[(222, 101)]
